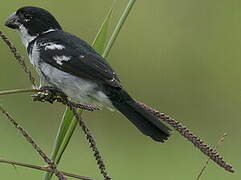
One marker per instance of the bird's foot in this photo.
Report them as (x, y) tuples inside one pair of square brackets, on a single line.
[(52, 94), (53, 90), (49, 94)]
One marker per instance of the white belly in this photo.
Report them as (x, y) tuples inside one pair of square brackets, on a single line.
[(82, 90)]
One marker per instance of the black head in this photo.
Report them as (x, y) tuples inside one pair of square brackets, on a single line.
[(35, 20)]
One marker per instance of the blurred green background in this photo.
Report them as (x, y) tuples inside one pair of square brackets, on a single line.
[(181, 57)]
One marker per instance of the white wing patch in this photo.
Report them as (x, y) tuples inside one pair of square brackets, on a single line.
[(53, 46), (59, 59)]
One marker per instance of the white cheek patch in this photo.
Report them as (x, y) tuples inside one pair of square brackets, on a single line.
[(25, 36), (59, 59), (53, 46)]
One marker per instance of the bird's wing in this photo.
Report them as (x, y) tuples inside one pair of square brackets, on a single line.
[(70, 54)]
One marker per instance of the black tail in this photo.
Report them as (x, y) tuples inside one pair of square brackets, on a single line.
[(147, 123)]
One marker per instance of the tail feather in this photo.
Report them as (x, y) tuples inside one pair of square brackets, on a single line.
[(147, 123)]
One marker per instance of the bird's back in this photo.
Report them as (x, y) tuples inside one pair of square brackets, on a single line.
[(83, 61)]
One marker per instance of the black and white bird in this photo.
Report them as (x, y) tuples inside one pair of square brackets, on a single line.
[(68, 63)]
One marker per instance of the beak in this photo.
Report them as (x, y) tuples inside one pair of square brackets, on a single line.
[(13, 21)]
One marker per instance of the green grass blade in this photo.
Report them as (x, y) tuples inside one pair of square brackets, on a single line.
[(69, 123), (100, 40), (62, 131), (118, 27), (65, 131)]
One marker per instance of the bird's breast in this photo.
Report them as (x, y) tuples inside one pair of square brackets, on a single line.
[(85, 91), (34, 57)]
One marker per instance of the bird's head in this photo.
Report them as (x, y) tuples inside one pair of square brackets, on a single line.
[(32, 20)]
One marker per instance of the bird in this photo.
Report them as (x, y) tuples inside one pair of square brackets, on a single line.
[(68, 63)]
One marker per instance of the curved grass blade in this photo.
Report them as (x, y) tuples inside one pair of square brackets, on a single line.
[(66, 130), (69, 123), (118, 27), (100, 40)]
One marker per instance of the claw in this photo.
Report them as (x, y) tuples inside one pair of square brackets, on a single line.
[(48, 94), (43, 97), (54, 91)]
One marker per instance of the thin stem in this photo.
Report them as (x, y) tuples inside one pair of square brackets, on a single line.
[(40, 168), (92, 143), (33, 143), (118, 27), (16, 91), (64, 101), (196, 141), (18, 57), (220, 141)]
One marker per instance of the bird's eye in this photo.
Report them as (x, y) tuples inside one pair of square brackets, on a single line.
[(27, 17)]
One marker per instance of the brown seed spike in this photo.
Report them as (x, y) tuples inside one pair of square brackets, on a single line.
[(18, 57), (184, 131)]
